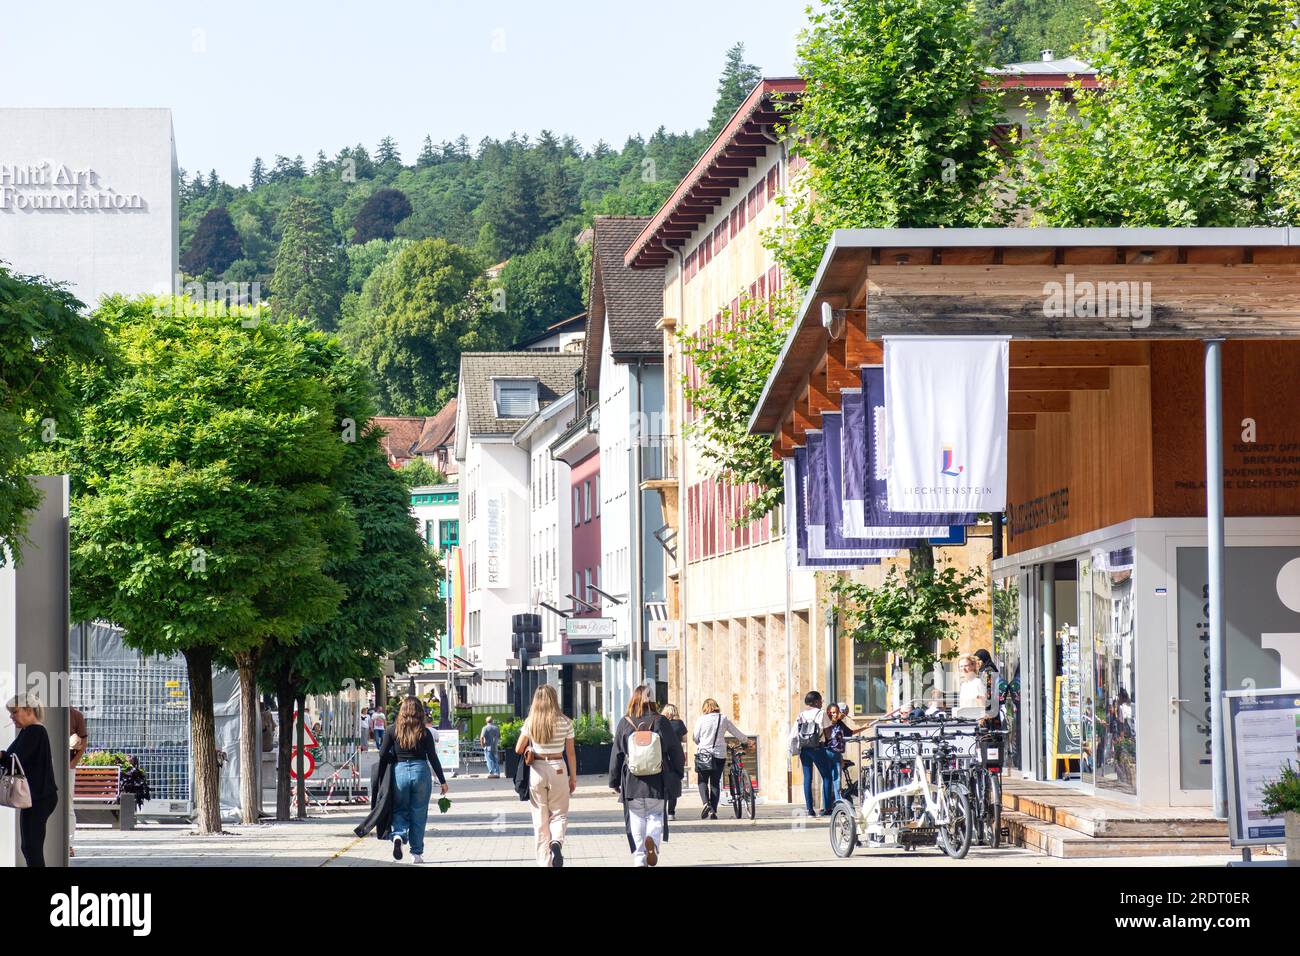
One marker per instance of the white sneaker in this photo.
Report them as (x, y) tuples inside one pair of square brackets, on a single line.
[(417, 858)]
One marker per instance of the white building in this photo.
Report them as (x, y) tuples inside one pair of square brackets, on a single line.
[(623, 364), (90, 197), (498, 393)]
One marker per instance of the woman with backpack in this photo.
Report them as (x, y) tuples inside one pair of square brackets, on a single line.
[(645, 766), (710, 738), (808, 740)]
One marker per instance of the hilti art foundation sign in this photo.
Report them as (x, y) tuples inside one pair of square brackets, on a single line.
[(59, 187)]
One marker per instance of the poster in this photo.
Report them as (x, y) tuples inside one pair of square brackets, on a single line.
[(1263, 736), (448, 747)]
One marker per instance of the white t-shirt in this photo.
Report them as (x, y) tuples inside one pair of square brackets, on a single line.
[(378, 721), (365, 725), (971, 691), (550, 748)]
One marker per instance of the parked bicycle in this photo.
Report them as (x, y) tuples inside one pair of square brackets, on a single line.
[(742, 785), (984, 781)]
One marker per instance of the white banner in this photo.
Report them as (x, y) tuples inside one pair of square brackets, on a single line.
[(946, 412)]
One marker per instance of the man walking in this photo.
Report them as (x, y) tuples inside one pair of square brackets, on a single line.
[(378, 722), (490, 738)]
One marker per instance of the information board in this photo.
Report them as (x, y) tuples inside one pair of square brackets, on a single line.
[(1263, 734), (448, 747)]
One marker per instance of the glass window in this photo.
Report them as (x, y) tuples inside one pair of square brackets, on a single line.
[(870, 690), (586, 500), (515, 398), (577, 507), (595, 494), (1112, 643), (448, 534)]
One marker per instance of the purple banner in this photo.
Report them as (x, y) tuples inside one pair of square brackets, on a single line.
[(796, 530)]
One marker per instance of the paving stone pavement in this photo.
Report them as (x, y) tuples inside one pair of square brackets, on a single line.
[(489, 826)]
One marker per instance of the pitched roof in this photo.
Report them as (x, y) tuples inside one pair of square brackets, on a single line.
[(402, 432), (633, 299), (552, 370), (439, 430)]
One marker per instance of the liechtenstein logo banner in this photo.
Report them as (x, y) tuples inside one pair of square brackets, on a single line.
[(946, 423)]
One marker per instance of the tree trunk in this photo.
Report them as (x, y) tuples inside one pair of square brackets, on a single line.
[(921, 558), (250, 739), (284, 704), (203, 741), (301, 768)]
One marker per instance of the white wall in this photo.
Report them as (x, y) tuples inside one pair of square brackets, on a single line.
[(549, 530), (86, 157)]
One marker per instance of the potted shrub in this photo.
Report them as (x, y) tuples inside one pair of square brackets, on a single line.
[(593, 742), (510, 737), (1281, 798), (133, 779)]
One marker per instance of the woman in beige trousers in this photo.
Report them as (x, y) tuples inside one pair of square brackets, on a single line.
[(546, 744)]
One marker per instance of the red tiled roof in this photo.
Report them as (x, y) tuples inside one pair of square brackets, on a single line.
[(401, 434), (439, 430)]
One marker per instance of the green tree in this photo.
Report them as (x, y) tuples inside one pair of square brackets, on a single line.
[(201, 466), (732, 365), (417, 313), (309, 270), (214, 245), (896, 124), (737, 80), (43, 336), (417, 473), (1177, 138), (1020, 30), (543, 285)]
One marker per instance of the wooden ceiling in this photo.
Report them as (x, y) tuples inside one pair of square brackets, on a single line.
[(1210, 290)]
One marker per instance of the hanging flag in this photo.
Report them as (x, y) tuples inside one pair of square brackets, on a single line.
[(826, 516), (865, 514), (876, 510), (946, 423), (456, 598), (796, 530)]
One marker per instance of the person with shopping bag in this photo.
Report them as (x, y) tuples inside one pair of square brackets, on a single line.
[(27, 782)]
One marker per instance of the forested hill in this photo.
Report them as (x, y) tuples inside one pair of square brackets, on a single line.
[(376, 245)]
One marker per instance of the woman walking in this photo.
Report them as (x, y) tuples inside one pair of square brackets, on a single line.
[(411, 747), (546, 744), (647, 756), (31, 751), (679, 728), (710, 738)]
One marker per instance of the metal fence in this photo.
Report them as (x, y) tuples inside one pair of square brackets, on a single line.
[(143, 710)]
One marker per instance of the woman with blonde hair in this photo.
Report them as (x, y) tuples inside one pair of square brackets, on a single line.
[(30, 754), (645, 766), (410, 747), (710, 738), (546, 743)]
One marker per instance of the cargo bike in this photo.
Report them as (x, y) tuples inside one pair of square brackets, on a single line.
[(929, 782)]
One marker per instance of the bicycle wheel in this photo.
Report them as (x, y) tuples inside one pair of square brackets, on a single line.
[(751, 801), (955, 836), (736, 797), (844, 831), (995, 812)]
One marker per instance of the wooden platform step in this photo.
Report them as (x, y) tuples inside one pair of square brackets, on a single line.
[(1066, 843), (1099, 818)]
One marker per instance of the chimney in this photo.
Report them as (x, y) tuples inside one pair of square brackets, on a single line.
[(1047, 56)]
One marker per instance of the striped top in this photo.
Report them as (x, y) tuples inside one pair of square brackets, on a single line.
[(551, 748)]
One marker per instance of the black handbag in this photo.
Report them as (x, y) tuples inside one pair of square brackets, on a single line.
[(704, 758)]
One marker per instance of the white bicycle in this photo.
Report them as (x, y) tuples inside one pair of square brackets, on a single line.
[(909, 804)]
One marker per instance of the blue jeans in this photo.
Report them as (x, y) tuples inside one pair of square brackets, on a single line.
[(493, 763), (824, 760), (414, 782), (379, 738)]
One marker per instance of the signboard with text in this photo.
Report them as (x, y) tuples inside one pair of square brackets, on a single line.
[(1263, 736)]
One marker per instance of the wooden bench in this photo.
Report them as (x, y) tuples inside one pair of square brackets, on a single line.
[(98, 790)]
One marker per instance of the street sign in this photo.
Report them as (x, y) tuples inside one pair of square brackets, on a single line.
[(581, 627)]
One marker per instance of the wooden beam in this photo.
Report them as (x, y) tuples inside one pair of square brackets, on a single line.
[(840, 373), (1028, 354), (1059, 379), (800, 422), (1021, 423), (967, 257), (1034, 402), (1133, 302), (819, 399), (1216, 255), (1028, 256), (858, 349), (1089, 256)]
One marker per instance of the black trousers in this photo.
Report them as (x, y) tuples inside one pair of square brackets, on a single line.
[(711, 784), (31, 830)]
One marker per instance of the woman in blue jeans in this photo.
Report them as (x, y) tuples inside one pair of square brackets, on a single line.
[(411, 745), (811, 731)]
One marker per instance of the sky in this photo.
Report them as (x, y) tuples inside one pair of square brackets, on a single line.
[(247, 79)]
